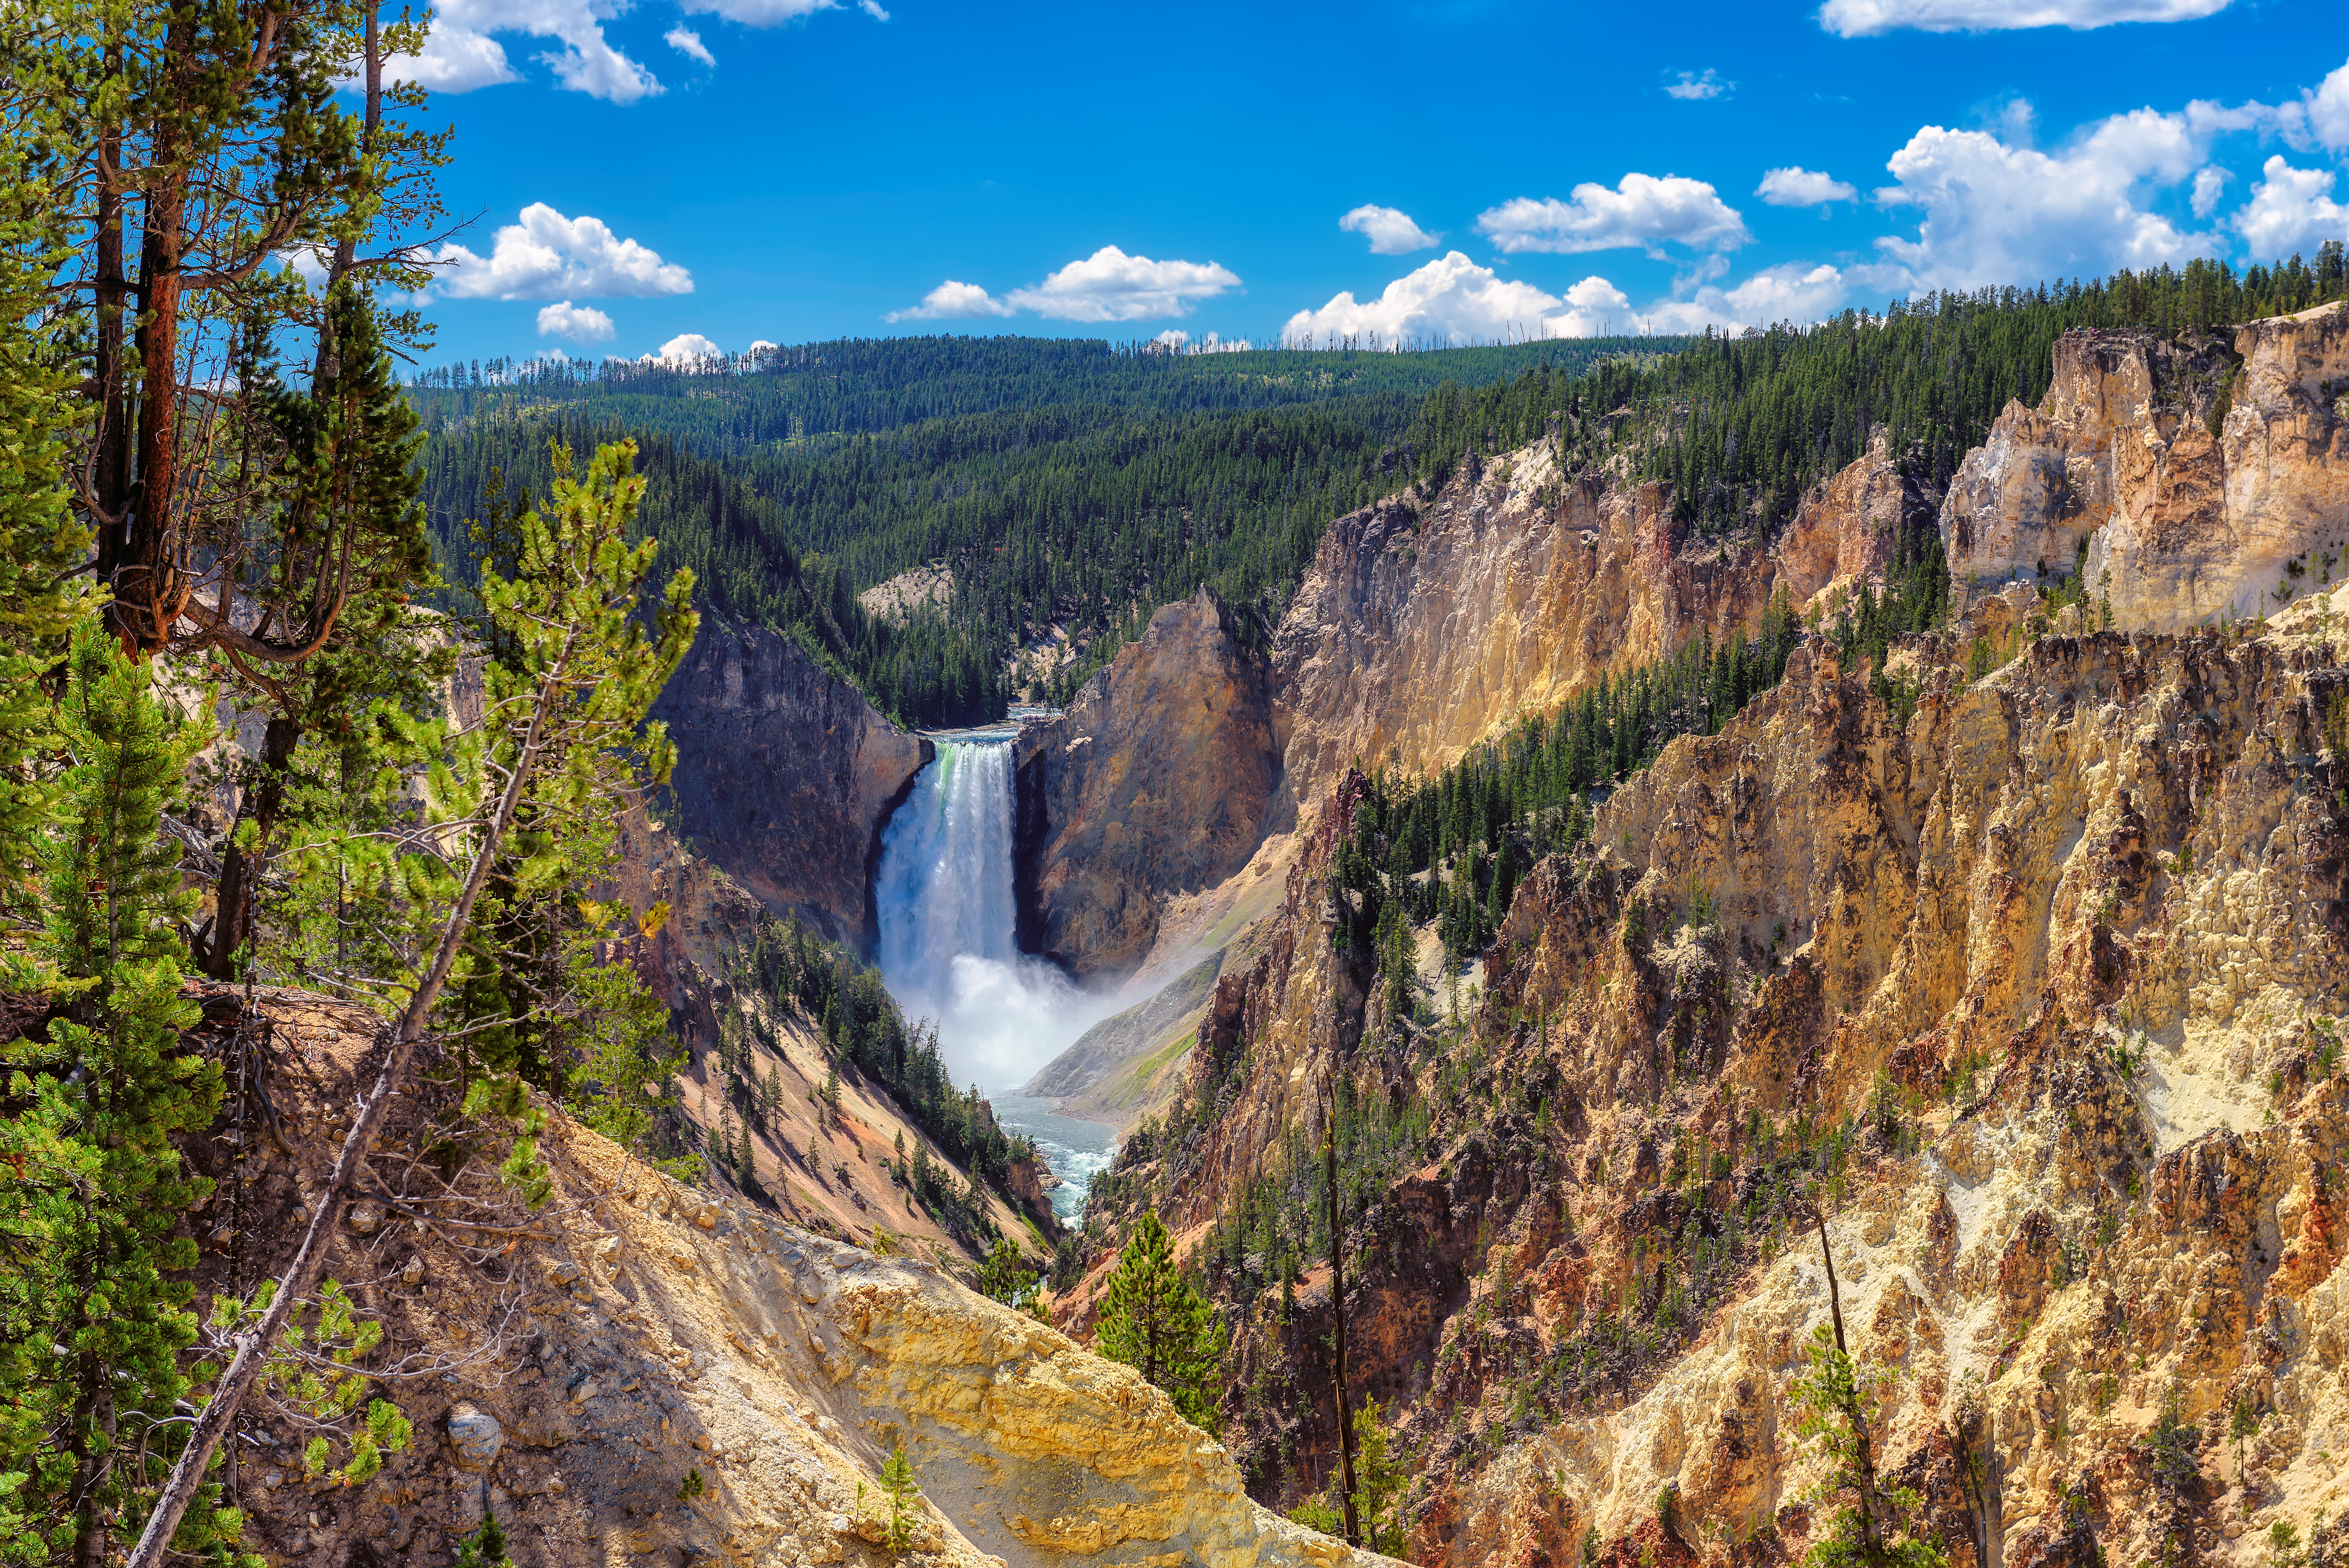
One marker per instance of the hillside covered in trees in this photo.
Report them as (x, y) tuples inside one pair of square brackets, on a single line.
[(1071, 489), (1064, 483)]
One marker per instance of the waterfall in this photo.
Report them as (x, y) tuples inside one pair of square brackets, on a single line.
[(948, 920)]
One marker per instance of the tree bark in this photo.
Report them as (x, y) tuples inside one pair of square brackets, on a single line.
[(240, 878), (144, 574), (1338, 1312)]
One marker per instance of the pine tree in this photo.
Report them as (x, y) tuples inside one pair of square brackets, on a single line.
[(486, 1547), (564, 733), (898, 1486), (94, 1322), (1004, 1277), (41, 598), (1835, 1398), (1156, 1321), (351, 548)]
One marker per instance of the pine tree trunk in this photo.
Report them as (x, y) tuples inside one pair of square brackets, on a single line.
[(1338, 1311), (240, 880)]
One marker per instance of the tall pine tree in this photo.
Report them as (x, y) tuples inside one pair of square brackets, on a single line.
[(1156, 1321), (94, 1322)]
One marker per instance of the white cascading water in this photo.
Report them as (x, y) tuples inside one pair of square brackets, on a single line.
[(948, 923)]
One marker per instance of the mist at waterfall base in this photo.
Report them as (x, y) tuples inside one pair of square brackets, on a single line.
[(948, 925)]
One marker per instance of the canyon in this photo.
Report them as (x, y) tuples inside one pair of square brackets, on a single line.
[(2034, 988), (2014, 958)]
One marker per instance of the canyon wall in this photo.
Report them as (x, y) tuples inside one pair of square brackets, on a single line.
[(2058, 961), (2027, 970), (1420, 630), (637, 1371), (2194, 471), (1161, 778), (785, 776)]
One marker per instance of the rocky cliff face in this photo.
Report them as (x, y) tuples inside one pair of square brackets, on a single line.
[(1420, 631), (2040, 993), (785, 776), (2192, 472), (638, 1372), (1159, 780), (830, 1173)]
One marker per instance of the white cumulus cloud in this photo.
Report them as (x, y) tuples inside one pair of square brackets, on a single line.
[(1110, 286), (1389, 232), (1699, 87), (1642, 211), (2291, 210), (1453, 300), (547, 255), (2326, 109), (1996, 214), (2209, 184), (1859, 18), (1796, 292), (952, 301), (1797, 187), (685, 348), (460, 54), (579, 323), (456, 59)]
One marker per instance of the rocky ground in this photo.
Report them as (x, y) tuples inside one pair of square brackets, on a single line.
[(635, 1372)]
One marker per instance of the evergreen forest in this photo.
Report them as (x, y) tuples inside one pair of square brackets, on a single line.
[(1072, 489)]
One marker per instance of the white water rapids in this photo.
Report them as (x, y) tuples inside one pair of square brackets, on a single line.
[(949, 947)]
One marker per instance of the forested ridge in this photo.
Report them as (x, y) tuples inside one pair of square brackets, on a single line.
[(1740, 426), (1071, 485), (1086, 516), (854, 386), (1067, 485)]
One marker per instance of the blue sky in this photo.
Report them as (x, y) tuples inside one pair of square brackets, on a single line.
[(642, 175)]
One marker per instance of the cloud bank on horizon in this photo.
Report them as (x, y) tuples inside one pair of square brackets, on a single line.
[(1958, 204)]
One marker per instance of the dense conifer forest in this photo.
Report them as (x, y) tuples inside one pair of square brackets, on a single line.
[(856, 385), (1081, 515), (1072, 487)]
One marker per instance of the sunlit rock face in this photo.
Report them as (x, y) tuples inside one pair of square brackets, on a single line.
[(1162, 778), (2198, 473)]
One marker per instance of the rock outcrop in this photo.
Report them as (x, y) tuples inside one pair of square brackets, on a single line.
[(2198, 475), (2039, 991), (639, 1371), (1419, 631), (1159, 780), (1123, 1067), (785, 776)]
